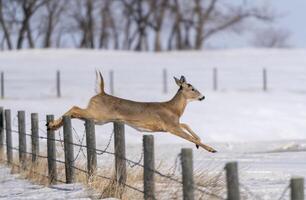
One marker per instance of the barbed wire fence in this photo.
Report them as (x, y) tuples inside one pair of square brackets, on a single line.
[(187, 183)]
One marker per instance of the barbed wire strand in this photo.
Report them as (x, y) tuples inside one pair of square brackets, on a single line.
[(100, 152), (60, 138), (80, 141), (40, 137), (250, 192), (132, 165), (284, 192), (108, 178), (174, 167), (108, 144)]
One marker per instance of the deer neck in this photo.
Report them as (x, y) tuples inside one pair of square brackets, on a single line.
[(178, 103)]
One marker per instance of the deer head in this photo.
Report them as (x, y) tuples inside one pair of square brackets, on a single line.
[(188, 91)]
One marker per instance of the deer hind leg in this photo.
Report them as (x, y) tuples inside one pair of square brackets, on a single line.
[(181, 133), (74, 112)]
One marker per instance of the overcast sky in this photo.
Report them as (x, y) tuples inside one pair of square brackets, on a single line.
[(294, 20)]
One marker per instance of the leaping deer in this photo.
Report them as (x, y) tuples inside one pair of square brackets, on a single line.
[(143, 116)]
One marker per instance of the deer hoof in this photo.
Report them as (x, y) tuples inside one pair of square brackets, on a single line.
[(197, 146), (51, 126), (48, 126)]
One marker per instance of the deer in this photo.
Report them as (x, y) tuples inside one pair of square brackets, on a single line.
[(142, 116)]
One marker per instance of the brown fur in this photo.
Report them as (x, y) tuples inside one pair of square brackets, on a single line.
[(143, 116)]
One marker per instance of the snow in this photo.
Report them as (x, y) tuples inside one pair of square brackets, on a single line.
[(239, 111), (12, 187), (264, 131)]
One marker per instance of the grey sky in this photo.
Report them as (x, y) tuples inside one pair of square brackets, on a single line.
[(294, 20)]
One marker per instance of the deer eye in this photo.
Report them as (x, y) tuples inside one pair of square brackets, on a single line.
[(193, 89)]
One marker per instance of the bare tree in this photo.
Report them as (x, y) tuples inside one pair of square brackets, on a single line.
[(108, 29), (85, 21), (140, 12), (217, 17), (203, 15), (54, 10), (271, 38), (7, 36), (123, 24), (176, 32), (29, 7), (158, 8)]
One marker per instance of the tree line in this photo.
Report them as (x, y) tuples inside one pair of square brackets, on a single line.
[(139, 25)]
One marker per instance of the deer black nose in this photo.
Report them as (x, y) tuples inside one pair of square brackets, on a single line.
[(202, 98)]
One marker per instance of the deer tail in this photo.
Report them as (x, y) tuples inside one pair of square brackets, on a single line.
[(101, 83)]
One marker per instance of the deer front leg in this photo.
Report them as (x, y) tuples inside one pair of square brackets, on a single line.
[(74, 112), (187, 128), (181, 133)]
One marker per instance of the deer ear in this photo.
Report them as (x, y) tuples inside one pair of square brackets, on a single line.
[(177, 81), (182, 79)]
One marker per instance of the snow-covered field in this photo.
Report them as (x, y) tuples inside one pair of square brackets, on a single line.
[(262, 130), (15, 188)]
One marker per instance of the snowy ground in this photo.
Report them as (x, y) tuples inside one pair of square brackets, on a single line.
[(261, 130), (12, 187)]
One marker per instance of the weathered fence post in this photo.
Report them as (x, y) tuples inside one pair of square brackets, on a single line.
[(187, 174), (297, 188), (58, 83), (148, 171), (1, 132), (68, 147), (232, 181), (165, 82), (2, 85), (215, 79), (52, 173), (8, 130), (34, 137), (120, 163), (111, 82), (91, 146), (264, 79), (22, 139)]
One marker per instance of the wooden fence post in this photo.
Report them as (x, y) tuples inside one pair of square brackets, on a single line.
[(232, 181), (264, 79), (148, 170), (8, 130), (120, 162), (187, 174), (68, 147), (34, 137), (91, 146), (215, 79), (297, 188), (1, 132), (165, 83), (52, 173), (2, 85), (22, 139), (58, 83), (111, 82)]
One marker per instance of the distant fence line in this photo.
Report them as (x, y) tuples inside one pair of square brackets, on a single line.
[(188, 184), (164, 89)]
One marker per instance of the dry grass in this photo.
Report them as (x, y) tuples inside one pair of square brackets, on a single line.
[(102, 188)]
